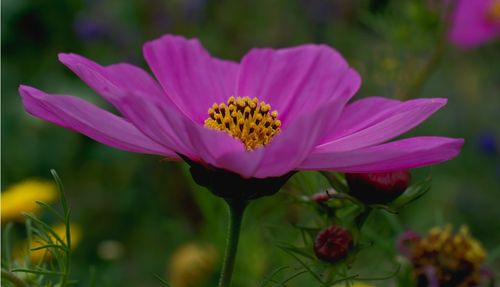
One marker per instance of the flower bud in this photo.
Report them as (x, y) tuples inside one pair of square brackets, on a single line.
[(320, 197), (378, 188), (332, 244), (323, 196)]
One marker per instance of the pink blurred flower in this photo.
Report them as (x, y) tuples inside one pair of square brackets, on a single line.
[(474, 22), (309, 86), (405, 242)]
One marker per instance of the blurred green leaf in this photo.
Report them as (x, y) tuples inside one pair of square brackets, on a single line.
[(336, 180), (270, 278), (413, 193), (161, 280)]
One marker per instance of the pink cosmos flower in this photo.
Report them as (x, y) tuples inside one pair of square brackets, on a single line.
[(291, 111), (475, 22)]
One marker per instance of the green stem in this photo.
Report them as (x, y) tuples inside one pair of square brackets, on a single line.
[(12, 278), (423, 75), (236, 210), (362, 217), (68, 253), (437, 54)]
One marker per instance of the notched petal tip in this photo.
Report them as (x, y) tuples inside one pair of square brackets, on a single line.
[(354, 78), (81, 116), (73, 61), (66, 57), (402, 154), (457, 144), (442, 101), (27, 92), (23, 88), (438, 103)]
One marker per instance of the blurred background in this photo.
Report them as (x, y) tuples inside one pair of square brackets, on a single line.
[(136, 213)]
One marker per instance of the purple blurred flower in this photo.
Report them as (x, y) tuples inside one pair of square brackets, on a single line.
[(475, 22), (321, 11), (190, 111), (487, 143), (193, 9), (431, 280), (405, 242), (89, 29)]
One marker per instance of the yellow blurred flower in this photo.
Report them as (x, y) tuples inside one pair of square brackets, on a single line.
[(453, 257), (22, 197), (191, 264), (46, 254)]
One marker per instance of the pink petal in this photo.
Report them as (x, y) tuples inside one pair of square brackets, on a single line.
[(176, 131), (402, 154), (78, 115), (221, 150), (376, 121), (298, 79), (242, 162), (111, 81), (189, 75), (470, 25), (296, 141), (359, 115), (164, 125)]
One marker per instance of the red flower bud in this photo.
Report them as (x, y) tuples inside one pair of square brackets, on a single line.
[(332, 244), (323, 196), (320, 197), (379, 188)]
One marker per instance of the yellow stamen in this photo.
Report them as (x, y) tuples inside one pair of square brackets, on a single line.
[(249, 120), (494, 11)]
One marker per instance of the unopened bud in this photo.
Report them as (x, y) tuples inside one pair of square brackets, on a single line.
[(323, 196), (320, 197), (332, 244), (379, 188)]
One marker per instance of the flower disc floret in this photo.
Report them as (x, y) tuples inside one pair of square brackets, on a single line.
[(249, 120)]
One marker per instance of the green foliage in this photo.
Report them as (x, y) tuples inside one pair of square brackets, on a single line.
[(53, 271)]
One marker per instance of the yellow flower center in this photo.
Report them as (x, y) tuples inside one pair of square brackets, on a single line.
[(494, 11), (249, 120)]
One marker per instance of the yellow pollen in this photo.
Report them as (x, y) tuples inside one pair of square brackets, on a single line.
[(249, 120), (494, 11)]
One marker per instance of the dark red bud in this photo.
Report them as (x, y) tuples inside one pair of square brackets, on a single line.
[(379, 188), (332, 244)]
